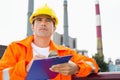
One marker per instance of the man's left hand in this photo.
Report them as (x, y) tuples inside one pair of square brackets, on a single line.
[(69, 68)]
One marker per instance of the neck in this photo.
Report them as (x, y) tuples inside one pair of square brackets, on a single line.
[(41, 42)]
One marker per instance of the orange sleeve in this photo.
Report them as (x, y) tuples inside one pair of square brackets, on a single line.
[(85, 69), (18, 72), (0, 75), (17, 68)]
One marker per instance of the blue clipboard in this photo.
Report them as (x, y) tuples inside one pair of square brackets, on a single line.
[(40, 68)]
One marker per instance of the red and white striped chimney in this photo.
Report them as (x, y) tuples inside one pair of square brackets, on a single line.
[(98, 29)]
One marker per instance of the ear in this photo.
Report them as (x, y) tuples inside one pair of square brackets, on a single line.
[(54, 28), (32, 27)]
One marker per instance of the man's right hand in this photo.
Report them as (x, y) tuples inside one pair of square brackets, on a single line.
[(34, 58)]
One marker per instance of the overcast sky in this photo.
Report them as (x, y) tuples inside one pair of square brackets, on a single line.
[(81, 20)]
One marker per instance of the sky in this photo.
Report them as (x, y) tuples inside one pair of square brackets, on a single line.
[(81, 23)]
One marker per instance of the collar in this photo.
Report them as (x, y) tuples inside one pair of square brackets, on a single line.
[(27, 43)]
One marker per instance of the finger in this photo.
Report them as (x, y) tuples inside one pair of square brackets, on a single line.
[(59, 68), (55, 68), (65, 73), (39, 56)]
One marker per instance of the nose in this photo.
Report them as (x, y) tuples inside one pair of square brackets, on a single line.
[(43, 22)]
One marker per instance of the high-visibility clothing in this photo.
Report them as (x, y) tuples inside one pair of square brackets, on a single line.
[(18, 54)]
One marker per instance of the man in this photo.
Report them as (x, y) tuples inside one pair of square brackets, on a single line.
[(19, 55)]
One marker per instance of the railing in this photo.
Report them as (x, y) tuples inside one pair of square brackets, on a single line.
[(100, 76)]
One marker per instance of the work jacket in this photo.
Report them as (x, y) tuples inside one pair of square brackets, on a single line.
[(18, 54)]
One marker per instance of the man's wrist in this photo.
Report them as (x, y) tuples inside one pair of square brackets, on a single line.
[(77, 70)]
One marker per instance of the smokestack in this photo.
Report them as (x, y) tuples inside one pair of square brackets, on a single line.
[(30, 10), (65, 36), (98, 29)]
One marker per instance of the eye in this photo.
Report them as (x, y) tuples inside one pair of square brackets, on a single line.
[(48, 19), (39, 19)]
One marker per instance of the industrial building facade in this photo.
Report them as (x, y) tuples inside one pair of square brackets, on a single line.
[(58, 39)]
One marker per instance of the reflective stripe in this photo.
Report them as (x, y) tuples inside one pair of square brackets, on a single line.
[(6, 74), (92, 66)]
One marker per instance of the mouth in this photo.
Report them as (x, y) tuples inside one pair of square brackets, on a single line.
[(43, 29)]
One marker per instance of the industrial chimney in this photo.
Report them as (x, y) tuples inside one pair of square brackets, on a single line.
[(98, 29)]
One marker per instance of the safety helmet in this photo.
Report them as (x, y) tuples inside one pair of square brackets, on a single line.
[(44, 10)]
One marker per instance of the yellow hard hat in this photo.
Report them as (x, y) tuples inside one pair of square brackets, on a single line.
[(44, 10)]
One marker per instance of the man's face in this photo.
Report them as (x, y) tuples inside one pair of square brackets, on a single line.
[(43, 26)]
